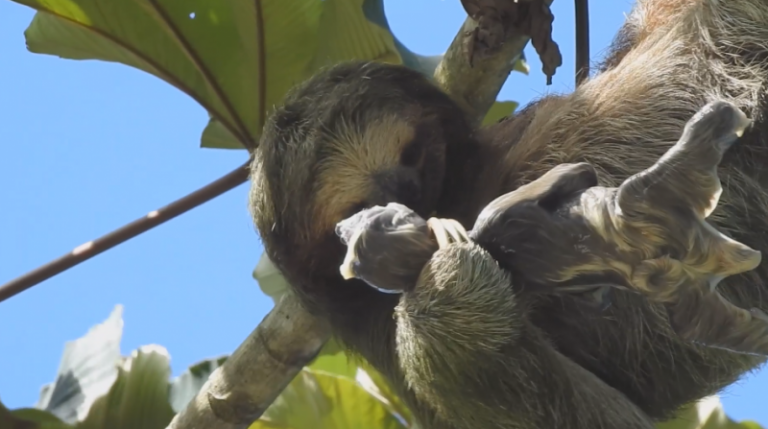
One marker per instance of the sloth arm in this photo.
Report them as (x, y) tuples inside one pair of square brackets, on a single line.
[(682, 55), (466, 348)]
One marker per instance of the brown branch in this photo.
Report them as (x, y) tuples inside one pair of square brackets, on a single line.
[(237, 393), (582, 41), (474, 81), (92, 248)]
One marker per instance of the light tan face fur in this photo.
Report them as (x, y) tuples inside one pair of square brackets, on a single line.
[(346, 179)]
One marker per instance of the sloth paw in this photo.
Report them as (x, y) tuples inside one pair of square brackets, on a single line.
[(447, 231), (387, 246), (718, 124)]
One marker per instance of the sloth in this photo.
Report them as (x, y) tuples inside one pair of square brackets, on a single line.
[(563, 226), (362, 134)]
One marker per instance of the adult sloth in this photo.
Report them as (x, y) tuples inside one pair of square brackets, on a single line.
[(364, 134)]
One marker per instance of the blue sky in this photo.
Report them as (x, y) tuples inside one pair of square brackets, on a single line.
[(89, 146)]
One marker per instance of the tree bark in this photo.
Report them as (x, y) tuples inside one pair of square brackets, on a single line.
[(474, 83), (237, 393)]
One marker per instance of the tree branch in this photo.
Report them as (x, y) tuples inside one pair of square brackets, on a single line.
[(474, 81), (92, 248), (238, 393)]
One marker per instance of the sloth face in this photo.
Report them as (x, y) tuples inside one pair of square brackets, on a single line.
[(389, 159), (356, 136)]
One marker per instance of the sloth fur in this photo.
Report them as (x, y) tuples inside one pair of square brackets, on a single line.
[(562, 233), (363, 134)]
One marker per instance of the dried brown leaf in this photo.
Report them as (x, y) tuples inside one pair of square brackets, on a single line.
[(497, 20)]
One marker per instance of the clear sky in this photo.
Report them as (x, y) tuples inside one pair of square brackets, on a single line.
[(87, 146)]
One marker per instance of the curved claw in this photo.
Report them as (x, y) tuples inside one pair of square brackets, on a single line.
[(447, 231), (758, 314)]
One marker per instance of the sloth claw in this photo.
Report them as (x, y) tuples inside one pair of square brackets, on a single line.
[(758, 314), (447, 231)]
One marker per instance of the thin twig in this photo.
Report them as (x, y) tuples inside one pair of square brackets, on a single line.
[(582, 41), (92, 248)]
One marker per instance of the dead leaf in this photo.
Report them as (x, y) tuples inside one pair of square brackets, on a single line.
[(497, 20)]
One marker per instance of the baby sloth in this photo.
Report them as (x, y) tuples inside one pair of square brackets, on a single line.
[(562, 233)]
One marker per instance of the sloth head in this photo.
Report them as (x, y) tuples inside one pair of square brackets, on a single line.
[(354, 136)]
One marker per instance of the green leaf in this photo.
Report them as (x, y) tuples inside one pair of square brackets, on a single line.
[(521, 65), (196, 45), (87, 370), (707, 413), (334, 361), (346, 34), (29, 418), (236, 58), (184, 387), (215, 135), (139, 396), (499, 110), (217, 52), (370, 380), (270, 279), (375, 384), (319, 400), (374, 12)]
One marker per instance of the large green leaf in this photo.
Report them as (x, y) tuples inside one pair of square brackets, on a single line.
[(96, 388), (269, 277), (29, 418), (707, 413), (375, 384), (236, 58), (499, 110), (198, 46), (320, 400), (87, 370), (333, 360), (139, 396)]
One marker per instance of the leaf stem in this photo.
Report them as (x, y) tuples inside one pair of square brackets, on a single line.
[(92, 248), (262, 57)]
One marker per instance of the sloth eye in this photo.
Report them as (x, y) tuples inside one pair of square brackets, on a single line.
[(412, 154)]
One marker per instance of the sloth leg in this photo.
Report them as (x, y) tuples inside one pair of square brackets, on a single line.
[(465, 348)]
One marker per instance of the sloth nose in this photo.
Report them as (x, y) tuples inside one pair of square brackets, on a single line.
[(401, 185)]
